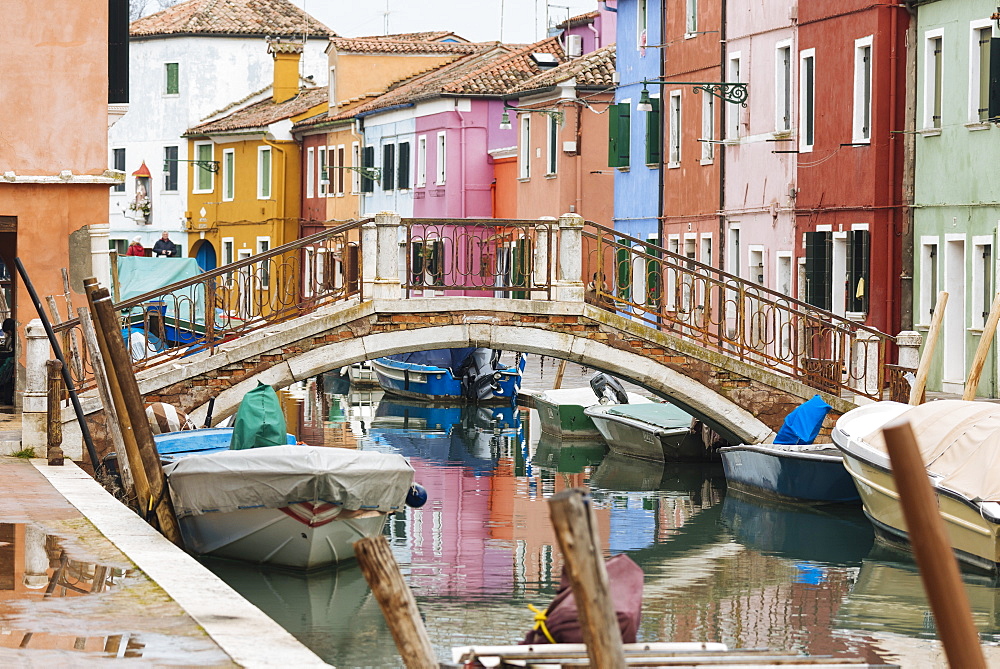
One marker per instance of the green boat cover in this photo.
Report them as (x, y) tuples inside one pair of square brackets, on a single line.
[(259, 420), (138, 276), (655, 413)]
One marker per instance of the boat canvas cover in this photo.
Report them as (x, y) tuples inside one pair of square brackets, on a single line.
[(276, 476), (138, 276), (659, 414), (960, 442), (446, 358)]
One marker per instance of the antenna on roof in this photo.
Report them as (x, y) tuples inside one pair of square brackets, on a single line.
[(386, 15)]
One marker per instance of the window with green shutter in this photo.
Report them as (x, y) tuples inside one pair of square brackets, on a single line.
[(993, 104), (623, 262), (654, 142), (389, 167), (858, 244), (173, 79), (403, 176), (619, 134), (819, 269), (367, 162)]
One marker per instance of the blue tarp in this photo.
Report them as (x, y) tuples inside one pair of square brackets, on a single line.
[(447, 358), (138, 276), (802, 425)]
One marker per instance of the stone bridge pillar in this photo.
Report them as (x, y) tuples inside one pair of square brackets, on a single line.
[(570, 285), (369, 258), (35, 403), (386, 284), (865, 360)]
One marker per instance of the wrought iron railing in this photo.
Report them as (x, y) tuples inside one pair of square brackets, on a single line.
[(499, 257), (216, 306), (733, 316)]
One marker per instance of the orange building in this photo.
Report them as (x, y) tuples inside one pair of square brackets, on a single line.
[(63, 84)]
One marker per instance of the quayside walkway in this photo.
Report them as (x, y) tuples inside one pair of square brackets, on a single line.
[(732, 352)]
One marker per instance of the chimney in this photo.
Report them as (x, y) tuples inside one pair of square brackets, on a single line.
[(286, 67)]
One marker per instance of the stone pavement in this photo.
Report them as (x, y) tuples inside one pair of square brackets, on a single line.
[(83, 580)]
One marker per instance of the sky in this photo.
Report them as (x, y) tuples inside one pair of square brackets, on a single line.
[(523, 21)]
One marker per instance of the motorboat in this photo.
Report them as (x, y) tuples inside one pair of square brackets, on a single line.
[(809, 473), (959, 442), (561, 411), (470, 375), (291, 505), (655, 431)]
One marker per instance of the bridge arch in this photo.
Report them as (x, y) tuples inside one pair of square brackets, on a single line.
[(739, 400)]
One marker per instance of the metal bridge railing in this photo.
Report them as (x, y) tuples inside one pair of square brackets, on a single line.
[(733, 316), (216, 306)]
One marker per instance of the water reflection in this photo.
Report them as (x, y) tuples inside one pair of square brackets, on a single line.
[(717, 567), (34, 567)]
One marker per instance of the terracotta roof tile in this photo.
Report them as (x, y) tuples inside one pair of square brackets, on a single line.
[(433, 36), (503, 74), (230, 17), (383, 45), (579, 20), (261, 114), (596, 69)]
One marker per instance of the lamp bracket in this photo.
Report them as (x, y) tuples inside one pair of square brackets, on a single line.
[(732, 92), (370, 173), (207, 165)]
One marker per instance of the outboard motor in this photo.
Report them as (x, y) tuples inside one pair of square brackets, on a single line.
[(479, 375), (608, 389)]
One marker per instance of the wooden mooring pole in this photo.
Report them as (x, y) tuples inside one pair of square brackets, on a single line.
[(396, 601), (938, 566), (985, 341), (924, 367), (576, 530), (129, 403)]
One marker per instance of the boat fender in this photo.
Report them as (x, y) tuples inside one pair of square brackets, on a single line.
[(608, 389), (417, 496)]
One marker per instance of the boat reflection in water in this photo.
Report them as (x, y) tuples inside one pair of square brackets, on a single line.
[(622, 472), (567, 457)]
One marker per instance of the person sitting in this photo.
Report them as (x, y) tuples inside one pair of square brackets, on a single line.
[(136, 248), (164, 248), (7, 363)]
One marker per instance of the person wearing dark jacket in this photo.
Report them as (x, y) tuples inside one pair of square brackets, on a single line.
[(7, 363), (164, 248)]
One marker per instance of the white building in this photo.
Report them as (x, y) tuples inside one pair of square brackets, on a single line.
[(188, 63)]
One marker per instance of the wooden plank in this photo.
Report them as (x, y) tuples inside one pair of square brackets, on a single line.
[(576, 530), (935, 559), (924, 367), (985, 341), (557, 384), (397, 602)]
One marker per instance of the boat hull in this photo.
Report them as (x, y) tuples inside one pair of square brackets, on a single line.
[(974, 535), (276, 537), (427, 383), (638, 439), (815, 475), (566, 421)]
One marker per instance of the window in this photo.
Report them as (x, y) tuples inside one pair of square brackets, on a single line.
[(928, 278), (819, 268), (982, 280), (310, 172), (525, 152), (356, 162), (120, 246), (172, 84), (982, 46), (619, 134), (733, 264), (441, 157), (263, 172), (552, 143), (228, 257), (170, 168), (204, 180), (783, 86), (341, 157), (837, 270), (733, 110), (264, 269), (807, 100), (863, 89), (403, 166), (642, 23), (367, 163), (933, 79), (389, 167), (228, 175), (654, 143), (422, 161), (332, 88), (324, 172), (706, 249), (707, 129), (118, 163), (858, 246), (691, 17), (674, 159)]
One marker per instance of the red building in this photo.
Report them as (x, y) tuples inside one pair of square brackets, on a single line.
[(849, 213)]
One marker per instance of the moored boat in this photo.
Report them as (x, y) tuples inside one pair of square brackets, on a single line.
[(958, 442), (561, 411), (810, 473), (473, 375), (655, 431)]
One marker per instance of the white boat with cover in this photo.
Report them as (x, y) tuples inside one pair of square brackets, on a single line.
[(959, 442), (295, 506)]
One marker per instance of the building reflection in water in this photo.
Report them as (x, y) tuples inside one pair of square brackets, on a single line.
[(34, 567)]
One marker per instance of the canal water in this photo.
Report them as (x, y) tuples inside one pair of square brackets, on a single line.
[(717, 567)]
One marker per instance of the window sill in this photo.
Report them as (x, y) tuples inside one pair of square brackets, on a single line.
[(977, 125), (977, 331), (856, 316), (653, 166), (930, 132), (623, 169), (673, 166), (707, 161), (524, 180), (551, 176)]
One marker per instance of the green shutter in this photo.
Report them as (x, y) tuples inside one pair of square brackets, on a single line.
[(819, 268), (367, 162), (173, 81), (994, 94), (654, 141), (521, 268), (613, 136), (624, 134), (403, 178), (654, 284), (623, 261)]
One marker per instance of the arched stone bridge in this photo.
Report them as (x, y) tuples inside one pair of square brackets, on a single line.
[(740, 400)]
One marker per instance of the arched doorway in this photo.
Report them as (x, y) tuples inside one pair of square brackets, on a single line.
[(204, 254)]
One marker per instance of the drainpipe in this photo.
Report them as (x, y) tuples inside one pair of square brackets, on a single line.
[(722, 147), (909, 153), (461, 130), (663, 128)]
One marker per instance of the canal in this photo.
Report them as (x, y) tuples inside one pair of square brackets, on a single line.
[(717, 567)]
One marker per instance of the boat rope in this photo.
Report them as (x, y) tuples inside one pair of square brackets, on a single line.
[(540, 623)]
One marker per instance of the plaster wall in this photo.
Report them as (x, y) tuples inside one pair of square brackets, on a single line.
[(390, 129)]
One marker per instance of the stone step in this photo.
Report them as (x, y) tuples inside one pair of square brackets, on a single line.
[(9, 446)]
